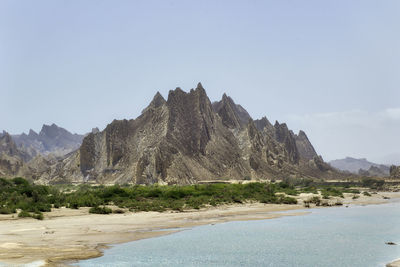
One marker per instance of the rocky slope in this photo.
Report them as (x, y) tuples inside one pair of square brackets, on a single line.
[(187, 139)]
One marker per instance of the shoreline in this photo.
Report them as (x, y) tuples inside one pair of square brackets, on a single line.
[(67, 236), (395, 263)]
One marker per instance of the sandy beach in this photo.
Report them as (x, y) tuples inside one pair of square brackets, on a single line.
[(66, 234)]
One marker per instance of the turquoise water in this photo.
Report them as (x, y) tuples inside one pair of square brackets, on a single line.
[(353, 236)]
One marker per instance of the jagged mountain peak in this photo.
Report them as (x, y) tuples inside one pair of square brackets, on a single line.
[(200, 86), (264, 124), (232, 114), (50, 139), (32, 133), (182, 140), (158, 100), (304, 146)]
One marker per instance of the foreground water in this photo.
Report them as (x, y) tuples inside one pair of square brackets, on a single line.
[(353, 236)]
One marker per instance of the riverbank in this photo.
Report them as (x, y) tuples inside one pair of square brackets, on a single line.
[(395, 263), (68, 234)]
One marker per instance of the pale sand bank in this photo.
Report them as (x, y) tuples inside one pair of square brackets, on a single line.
[(68, 234), (394, 264)]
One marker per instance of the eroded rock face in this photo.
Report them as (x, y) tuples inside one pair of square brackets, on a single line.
[(286, 137), (232, 115), (11, 159), (186, 139), (304, 146)]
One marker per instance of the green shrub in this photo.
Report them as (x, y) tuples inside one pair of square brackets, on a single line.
[(287, 200), (100, 210), (118, 211), (7, 210), (24, 214), (38, 216)]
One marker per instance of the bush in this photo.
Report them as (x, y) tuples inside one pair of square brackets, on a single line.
[(118, 211), (24, 214), (372, 183), (7, 210), (100, 210), (287, 200), (365, 193), (38, 216)]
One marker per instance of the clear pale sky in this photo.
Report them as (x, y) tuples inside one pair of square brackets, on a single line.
[(331, 68)]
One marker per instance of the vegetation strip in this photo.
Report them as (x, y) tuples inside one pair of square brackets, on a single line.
[(31, 200)]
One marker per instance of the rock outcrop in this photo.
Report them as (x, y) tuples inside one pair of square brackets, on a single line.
[(232, 115), (11, 158), (304, 146)]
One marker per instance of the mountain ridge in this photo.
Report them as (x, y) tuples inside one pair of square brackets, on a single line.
[(360, 166), (183, 139), (51, 139), (186, 139)]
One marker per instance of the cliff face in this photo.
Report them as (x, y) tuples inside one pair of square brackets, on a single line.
[(304, 146), (186, 139)]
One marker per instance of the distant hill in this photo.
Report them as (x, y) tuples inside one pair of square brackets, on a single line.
[(360, 166), (52, 139)]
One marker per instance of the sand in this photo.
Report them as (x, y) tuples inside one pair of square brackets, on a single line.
[(67, 234), (396, 263)]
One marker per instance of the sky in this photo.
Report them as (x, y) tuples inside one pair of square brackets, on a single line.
[(330, 68)]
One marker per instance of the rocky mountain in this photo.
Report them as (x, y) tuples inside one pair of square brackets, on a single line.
[(186, 139), (50, 140), (360, 166)]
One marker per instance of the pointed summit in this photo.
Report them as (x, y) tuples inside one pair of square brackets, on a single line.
[(199, 86), (263, 123), (233, 115), (158, 100), (32, 133), (304, 146)]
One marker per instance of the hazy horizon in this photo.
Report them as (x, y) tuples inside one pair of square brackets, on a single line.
[(328, 68)]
